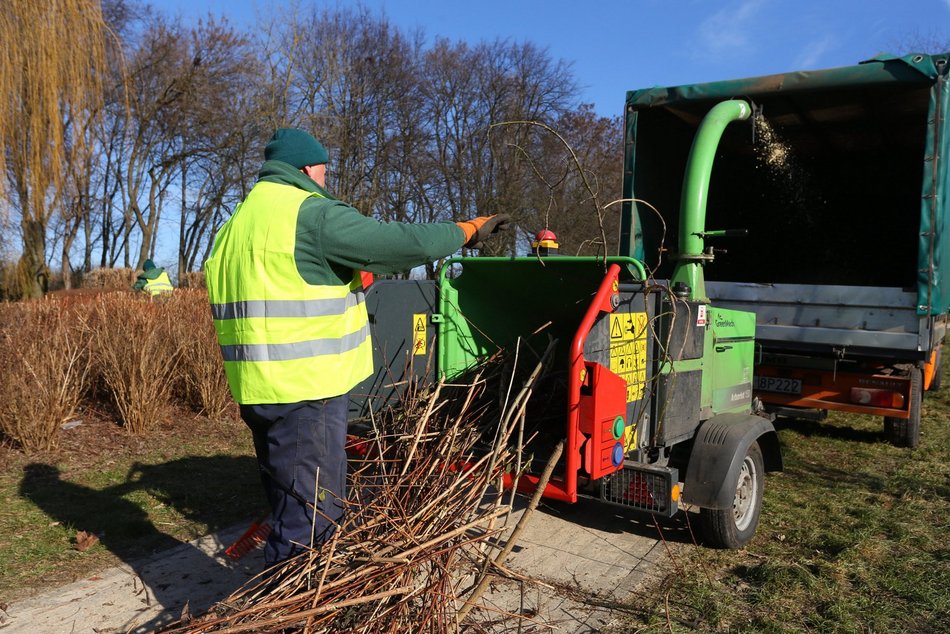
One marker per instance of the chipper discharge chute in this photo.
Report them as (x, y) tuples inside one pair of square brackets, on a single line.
[(649, 386)]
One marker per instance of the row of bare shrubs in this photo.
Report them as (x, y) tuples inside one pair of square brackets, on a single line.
[(109, 278), (192, 279), (117, 351), (98, 279), (123, 279)]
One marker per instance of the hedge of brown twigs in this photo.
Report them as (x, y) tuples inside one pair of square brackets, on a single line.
[(116, 352)]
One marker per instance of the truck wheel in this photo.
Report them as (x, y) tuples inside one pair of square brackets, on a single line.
[(734, 527), (905, 432)]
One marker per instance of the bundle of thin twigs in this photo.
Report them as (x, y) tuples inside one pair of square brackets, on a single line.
[(424, 527)]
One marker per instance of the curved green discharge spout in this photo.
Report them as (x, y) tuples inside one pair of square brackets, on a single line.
[(696, 191)]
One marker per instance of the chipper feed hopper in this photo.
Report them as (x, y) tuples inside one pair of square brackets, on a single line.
[(652, 385)]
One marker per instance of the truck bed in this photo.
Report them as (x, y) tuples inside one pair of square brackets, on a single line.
[(854, 320)]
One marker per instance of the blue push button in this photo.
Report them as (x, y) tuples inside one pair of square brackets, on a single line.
[(616, 455)]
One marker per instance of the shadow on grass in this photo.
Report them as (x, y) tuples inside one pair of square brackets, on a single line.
[(861, 481), (835, 468), (810, 428), (124, 527)]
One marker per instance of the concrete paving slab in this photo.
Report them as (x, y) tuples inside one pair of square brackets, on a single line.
[(138, 597), (575, 560), (588, 556)]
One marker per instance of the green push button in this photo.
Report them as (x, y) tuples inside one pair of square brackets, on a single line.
[(618, 428)]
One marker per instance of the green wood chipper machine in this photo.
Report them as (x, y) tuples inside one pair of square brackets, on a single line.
[(655, 403)]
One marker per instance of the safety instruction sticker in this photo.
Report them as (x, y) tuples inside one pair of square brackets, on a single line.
[(420, 327), (628, 351)]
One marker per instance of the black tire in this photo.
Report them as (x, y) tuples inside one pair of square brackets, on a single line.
[(735, 526), (905, 432)]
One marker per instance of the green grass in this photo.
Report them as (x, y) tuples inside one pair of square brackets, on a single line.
[(854, 534), (854, 537), (138, 495)]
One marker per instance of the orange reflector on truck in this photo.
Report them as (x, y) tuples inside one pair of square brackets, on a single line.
[(876, 397)]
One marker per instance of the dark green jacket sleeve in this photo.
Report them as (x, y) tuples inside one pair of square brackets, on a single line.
[(355, 241)]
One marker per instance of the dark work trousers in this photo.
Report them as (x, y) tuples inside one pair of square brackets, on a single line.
[(292, 441)]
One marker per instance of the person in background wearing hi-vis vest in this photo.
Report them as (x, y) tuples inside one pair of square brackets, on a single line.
[(287, 301), (153, 280)]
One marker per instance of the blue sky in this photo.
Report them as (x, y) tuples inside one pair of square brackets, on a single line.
[(617, 45)]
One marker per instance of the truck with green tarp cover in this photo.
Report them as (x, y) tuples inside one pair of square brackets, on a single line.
[(835, 208)]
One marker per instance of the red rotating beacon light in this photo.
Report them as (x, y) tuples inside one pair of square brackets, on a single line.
[(545, 243)]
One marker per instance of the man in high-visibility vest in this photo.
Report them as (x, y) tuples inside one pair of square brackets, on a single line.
[(153, 280), (287, 302)]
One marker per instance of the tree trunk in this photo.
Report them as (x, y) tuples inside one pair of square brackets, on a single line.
[(182, 266), (34, 274), (70, 231), (67, 272), (87, 248)]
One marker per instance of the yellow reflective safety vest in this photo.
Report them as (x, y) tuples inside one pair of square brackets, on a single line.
[(283, 340), (161, 284)]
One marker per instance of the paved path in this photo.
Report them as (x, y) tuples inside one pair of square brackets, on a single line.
[(590, 556), (586, 555), (138, 597)]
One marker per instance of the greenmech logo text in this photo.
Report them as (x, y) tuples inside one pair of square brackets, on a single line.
[(722, 322)]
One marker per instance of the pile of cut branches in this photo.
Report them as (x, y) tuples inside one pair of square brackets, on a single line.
[(425, 525)]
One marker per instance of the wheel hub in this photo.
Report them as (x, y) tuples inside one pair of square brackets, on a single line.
[(745, 494)]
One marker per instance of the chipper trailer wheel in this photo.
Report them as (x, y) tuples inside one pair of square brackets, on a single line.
[(734, 527), (905, 432)]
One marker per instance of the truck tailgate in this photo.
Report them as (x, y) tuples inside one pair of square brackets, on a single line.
[(855, 318)]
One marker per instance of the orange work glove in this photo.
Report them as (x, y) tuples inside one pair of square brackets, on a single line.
[(478, 229)]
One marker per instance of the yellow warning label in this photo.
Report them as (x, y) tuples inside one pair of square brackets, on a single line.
[(420, 326), (630, 437), (628, 351)]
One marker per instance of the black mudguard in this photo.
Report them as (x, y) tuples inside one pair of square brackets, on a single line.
[(719, 448)]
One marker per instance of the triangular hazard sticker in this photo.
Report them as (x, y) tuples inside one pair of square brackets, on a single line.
[(616, 332)]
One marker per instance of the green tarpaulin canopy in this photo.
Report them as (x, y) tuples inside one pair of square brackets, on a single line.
[(843, 116)]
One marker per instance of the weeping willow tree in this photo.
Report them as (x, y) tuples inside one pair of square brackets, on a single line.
[(53, 63)]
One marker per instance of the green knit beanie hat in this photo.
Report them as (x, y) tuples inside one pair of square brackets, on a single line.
[(295, 147)]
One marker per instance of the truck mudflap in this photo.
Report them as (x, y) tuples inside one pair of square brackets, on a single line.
[(718, 450), (933, 368)]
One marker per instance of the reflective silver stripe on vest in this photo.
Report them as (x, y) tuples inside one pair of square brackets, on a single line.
[(296, 350), (286, 307)]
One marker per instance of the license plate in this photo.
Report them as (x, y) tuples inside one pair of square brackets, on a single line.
[(778, 384)]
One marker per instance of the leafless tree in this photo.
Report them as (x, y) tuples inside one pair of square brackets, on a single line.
[(931, 42), (576, 174), (356, 88), (218, 125), (469, 90), (45, 113), (416, 132)]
